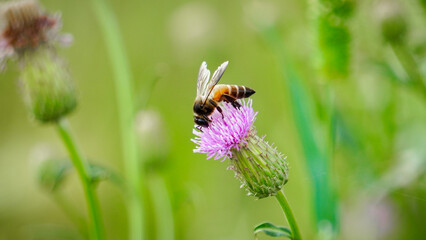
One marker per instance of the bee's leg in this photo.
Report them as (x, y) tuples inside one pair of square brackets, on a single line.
[(206, 118), (199, 128), (232, 100), (236, 104), (220, 110), (217, 106)]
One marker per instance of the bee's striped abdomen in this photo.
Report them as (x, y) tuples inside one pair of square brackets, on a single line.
[(234, 91)]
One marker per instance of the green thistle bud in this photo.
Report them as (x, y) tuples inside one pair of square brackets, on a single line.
[(392, 22), (47, 86), (262, 170)]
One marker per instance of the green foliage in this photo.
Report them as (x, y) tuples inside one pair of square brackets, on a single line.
[(100, 173), (378, 114), (52, 173), (126, 113), (340, 8), (333, 37), (272, 230), (393, 23), (423, 4), (334, 42), (317, 162)]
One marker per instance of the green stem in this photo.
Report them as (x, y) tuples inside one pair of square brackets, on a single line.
[(163, 208), (410, 66), (124, 92), (83, 168), (289, 215)]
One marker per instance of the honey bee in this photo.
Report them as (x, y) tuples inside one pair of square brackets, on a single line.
[(209, 94)]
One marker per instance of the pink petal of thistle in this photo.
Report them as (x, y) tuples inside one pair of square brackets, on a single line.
[(223, 135)]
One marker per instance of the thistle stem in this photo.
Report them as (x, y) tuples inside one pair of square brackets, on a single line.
[(83, 168), (124, 93), (289, 215)]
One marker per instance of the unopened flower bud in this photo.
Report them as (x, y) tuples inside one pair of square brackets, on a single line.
[(260, 167), (262, 170), (47, 86), (392, 21)]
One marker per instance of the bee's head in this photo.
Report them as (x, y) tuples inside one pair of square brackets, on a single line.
[(201, 121)]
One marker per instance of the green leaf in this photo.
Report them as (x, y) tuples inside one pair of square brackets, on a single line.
[(100, 173), (387, 70), (52, 172), (272, 230)]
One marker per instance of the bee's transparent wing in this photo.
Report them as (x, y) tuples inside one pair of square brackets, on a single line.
[(203, 79), (216, 77)]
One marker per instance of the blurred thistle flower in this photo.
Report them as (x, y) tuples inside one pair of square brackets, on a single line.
[(152, 136), (29, 35), (392, 21), (367, 217), (261, 169), (191, 25), (261, 14), (25, 27), (47, 86)]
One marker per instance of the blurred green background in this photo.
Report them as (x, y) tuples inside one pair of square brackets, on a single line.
[(376, 165)]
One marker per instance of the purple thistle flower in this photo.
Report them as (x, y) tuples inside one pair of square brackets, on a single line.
[(260, 167), (26, 27), (226, 133)]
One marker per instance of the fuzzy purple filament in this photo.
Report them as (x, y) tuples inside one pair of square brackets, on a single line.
[(227, 133)]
